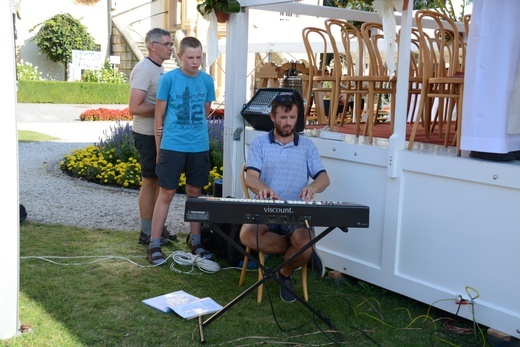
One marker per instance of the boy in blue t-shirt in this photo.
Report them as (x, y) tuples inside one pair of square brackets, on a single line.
[(184, 97)]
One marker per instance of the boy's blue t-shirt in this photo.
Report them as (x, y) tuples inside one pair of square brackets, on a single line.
[(185, 127)]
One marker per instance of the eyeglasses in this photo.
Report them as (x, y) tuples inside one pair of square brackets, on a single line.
[(284, 98), (165, 44)]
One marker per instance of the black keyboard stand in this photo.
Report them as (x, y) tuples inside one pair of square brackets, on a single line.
[(269, 273)]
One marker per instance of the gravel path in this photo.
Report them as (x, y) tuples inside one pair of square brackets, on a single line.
[(51, 196)]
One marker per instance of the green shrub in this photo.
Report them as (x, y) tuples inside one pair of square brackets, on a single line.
[(25, 71), (114, 161), (107, 74), (60, 92), (216, 142)]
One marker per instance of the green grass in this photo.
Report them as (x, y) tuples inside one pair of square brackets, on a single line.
[(27, 135), (75, 301)]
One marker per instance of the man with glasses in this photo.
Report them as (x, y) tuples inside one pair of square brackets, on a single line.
[(279, 166), (143, 87)]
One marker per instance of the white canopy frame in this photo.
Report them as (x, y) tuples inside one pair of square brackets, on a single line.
[(236, 70)]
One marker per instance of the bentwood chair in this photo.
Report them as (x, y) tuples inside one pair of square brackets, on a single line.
[(443, 73), (317, 46), (415, 77), (261, 255), (380, 80), (348, 66)]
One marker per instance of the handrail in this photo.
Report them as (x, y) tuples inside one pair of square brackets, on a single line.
[(133, 8), (153, 15)]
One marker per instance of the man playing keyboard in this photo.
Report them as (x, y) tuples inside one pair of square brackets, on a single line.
[(280, 166)]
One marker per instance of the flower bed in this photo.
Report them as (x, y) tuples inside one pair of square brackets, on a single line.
[(114, 161), (106, 114)]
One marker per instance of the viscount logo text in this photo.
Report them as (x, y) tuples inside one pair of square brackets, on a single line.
[(285, 210)]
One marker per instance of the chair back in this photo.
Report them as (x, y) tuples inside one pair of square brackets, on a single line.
[(348, 59), (243, 180), (443, 53), (372, 35), (318, 48)]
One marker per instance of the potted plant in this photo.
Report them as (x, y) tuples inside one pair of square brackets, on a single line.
[(222, 8)]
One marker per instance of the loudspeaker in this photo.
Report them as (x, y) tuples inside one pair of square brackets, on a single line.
[(256, 111)]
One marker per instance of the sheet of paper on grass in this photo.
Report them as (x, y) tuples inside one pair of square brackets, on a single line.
[(165, 302), (185, 305), (196, 308)]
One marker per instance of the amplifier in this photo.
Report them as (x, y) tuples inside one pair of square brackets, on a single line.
[(256, 111)]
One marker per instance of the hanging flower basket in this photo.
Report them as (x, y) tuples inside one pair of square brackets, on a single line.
[(222, 17), (226, 6)]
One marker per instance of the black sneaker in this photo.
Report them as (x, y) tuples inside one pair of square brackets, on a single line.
[(145, 240), (315, 263), (168, 234), (286, 294)]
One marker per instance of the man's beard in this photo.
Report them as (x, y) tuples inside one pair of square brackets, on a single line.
[(288, 131)]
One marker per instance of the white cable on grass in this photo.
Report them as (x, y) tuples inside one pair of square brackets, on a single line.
[(188, 259), (95, 259), (179, 257)]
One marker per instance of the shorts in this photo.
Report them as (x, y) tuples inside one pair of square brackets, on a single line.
[(145, 145), (172, 164), (285, 230)]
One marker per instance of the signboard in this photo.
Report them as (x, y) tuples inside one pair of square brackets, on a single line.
[(86, 60), (115, 59)]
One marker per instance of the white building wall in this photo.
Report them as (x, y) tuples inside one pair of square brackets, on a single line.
[(33, 12)]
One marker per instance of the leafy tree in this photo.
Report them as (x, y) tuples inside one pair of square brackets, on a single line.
[(61, 34), (443, 6), (362, 5)]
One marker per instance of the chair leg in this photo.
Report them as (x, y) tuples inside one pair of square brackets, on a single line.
[(459, 120), (244, 268), (449, 114), (261, 257), (304, 283), (420, 117), (370, 115), (357, 110)]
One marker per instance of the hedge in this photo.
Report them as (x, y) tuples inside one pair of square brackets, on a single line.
[(59, 92)]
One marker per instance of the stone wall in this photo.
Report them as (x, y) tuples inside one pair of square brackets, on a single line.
[(121, 48)]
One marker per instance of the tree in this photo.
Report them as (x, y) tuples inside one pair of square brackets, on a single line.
[(443, 6), (61, 34)]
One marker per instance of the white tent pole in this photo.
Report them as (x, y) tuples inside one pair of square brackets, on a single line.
[(236, 87), (397, 139), (10, 246)]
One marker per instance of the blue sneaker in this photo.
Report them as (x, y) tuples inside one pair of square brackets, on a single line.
[(286, 294)]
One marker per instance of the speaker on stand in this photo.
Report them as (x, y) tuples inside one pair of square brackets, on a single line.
[(256, 111)]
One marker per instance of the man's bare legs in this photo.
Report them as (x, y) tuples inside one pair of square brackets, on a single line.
[(160, 212), (273, 243), (259, 237), (195, 227), (147, 197)]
